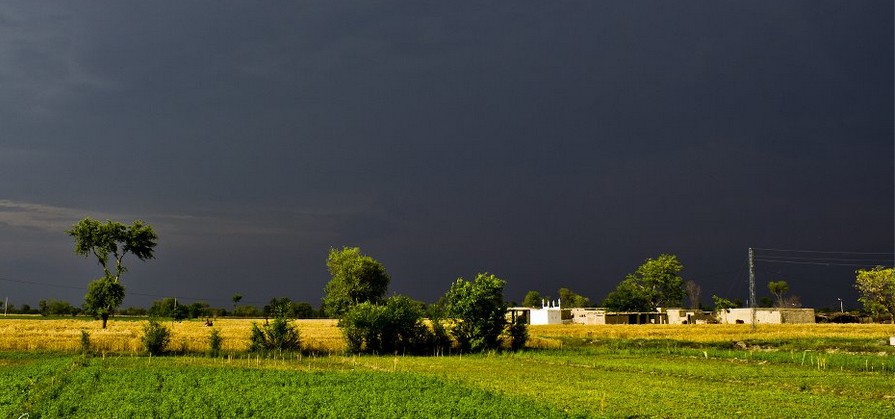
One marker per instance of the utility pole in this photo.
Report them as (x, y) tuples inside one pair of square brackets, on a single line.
[(752, 285), (6, 307)]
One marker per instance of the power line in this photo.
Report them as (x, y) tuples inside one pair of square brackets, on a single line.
[(824, 251), (819, 263)]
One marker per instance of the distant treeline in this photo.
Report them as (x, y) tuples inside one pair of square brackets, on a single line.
[(170, 308)]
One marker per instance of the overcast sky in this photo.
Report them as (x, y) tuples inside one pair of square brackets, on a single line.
[(554, 144)]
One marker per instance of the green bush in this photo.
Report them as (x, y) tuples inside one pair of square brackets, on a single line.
[(156, 337), (279, 335), (85, 342), (518, 333), (478, 312), (214, 342), (394, 327)]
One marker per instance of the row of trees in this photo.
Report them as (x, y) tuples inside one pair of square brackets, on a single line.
[(357, 279), (471, 314)]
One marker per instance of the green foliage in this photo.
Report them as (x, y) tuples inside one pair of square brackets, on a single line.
[(628, 296), (532, 299), (778, 288), (156, 337), (569, 299), (86, 348), (356, 278), (52, 307), (280, 307), (655, 283), (116, 240), (103, 296), (723, 303), (57, 387), (393, 327), (877, 289), (215, 340), (478, 312), (518, 333), (303, 310), (280, 335), (246, 311)]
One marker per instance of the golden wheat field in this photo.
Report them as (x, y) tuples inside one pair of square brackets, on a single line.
[(546, 335), (124, 335), (323, 335)]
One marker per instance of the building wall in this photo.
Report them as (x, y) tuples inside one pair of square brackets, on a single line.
[(767, 315), (546, 316), (798, 315), (688, 316)]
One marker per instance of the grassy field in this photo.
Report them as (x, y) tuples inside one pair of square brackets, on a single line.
[(787, 371)]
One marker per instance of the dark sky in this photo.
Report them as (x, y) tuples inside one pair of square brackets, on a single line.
[(551, 143)]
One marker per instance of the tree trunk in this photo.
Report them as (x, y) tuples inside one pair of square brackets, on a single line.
[(105, 318)]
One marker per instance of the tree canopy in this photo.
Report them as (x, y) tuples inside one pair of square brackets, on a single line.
[(532, 299), (569, 299), (356, 278), (478, 311), (779, 289), (877, 289), (113, 239), (655, 283)]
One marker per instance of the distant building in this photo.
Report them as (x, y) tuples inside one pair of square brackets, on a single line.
[(765, 315), (601, 316), (549, 313), (553, 314)]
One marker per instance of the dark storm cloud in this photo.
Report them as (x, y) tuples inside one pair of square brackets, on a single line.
[(553, 144)]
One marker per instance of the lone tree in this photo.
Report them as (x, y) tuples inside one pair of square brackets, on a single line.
[(779, 288), (113, 239), (656, 283), (356, 278), (877, 288)]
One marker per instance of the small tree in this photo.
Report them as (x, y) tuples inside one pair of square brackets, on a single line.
[(518, 333), (356, 278), (478, 312), (156, 337), (279, 335), (877, 289), (532, 299), (569, 299), (116, 240), (280, 307), (723, 303), (779, 289), (215, 340)]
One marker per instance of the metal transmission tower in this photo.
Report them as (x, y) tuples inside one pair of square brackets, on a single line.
[(752, 284)]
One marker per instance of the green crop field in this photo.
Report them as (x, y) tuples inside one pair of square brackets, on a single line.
[(707, 371)]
